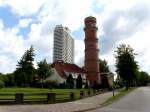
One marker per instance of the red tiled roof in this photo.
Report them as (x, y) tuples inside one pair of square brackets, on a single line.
[(62, 67)]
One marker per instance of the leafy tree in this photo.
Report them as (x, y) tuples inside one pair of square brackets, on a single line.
[(24, 73), (2, 84), (103, 66), (119, 81), (126, 66), (143, 78), (70, 81), (104, 82), (9, 80), (44, 70), (79, 82)]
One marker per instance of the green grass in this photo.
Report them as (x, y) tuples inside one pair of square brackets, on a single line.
[(37, 90), (30, 93), (118, 96)]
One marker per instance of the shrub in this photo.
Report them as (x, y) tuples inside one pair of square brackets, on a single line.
[(79, 82), (70, 82), (50, 84), (2, 84)]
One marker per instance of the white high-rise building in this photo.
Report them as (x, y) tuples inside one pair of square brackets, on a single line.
[(63, 45)]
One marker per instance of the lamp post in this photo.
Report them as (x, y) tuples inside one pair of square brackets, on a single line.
[(113, 87)]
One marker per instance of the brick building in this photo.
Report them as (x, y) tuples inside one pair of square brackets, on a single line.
[(91, 62), (62, 70)]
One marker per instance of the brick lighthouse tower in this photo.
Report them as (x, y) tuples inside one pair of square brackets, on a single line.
[(91, 51)]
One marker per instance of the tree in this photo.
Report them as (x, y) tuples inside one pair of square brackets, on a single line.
[(2, 84), (24, 73), (119, 81), (79, 82), (44, 70), (143, 78), (9, 80), (104, 82), (103, 66), (126, 66), (70, 81)]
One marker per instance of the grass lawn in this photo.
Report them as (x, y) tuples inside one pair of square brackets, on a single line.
[(37, 93), (37, 90)]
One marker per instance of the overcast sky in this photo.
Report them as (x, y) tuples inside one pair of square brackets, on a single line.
[(31, 22)]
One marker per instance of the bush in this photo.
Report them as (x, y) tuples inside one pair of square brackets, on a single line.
[(86, 86), (50, 84), (70, 82), (79, 82), (2, 84), (104, 82), (62, 86)]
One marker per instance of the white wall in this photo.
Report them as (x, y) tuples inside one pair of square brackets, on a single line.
[(56, 77)]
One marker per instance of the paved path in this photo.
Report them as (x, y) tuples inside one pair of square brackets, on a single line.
[(75, 106), (136, 101)]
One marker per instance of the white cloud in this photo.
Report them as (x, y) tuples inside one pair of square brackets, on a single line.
[(127, 22), (24, 22), (66, 12), (76, 12), (121, 23), (79, 52), (1, 24), (51, 13), (5, 62), (12, 48), (47, 13), (109, 57), (43, 43), (23, 7), (140, 43)]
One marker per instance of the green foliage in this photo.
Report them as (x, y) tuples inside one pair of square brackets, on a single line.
[(44, 70), (126, 66), (119, 83), (70, 81), (142, 78), (9, 80), (24, 73), (79, 82), (103, 66), (2, 84), (50, 84), (104, 82)]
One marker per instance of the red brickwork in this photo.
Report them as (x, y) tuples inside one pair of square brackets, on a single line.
[(91, 51)]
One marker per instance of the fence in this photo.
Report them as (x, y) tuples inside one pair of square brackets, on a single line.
[(21, 98)]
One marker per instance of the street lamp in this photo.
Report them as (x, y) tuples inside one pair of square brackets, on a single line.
[(113, 87)]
